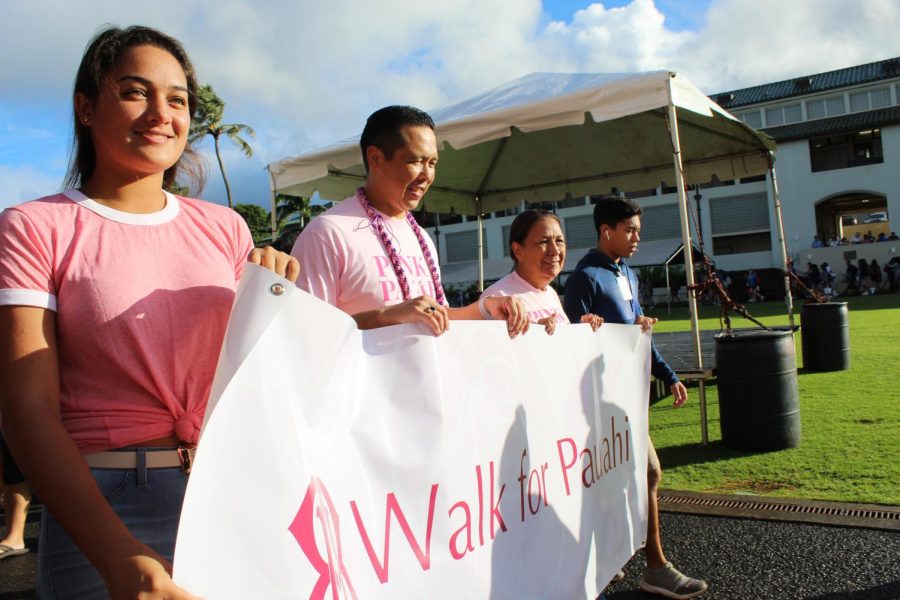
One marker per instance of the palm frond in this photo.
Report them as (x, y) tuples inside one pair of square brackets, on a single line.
[(241, 143)]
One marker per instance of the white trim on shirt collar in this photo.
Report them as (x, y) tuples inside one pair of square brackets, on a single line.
[(168, 213)]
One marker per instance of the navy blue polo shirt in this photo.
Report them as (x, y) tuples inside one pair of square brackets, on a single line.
[(593, 289)]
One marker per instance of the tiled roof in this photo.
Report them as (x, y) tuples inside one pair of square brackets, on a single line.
[(809, 84), (842, 124)]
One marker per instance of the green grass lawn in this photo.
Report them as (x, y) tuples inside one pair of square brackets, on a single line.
[(850, 449)]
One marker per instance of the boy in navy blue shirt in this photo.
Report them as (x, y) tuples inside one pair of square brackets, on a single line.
[(603, 284)]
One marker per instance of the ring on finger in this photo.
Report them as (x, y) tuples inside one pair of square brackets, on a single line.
[(430, 309)]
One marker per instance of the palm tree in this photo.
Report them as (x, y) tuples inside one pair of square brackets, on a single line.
[(288, 206), (285, 209), (208, 121)]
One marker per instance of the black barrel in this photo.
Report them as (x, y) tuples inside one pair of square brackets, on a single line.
[(826, 336), (759, 406)]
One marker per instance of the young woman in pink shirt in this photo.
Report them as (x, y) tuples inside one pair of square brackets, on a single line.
[(114, 297), (538, 250)]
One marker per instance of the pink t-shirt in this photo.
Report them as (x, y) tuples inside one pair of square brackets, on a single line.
[(539, 304), (141, 302), (343, 261)]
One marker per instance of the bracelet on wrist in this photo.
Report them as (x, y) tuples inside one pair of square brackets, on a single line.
[(483, 310)]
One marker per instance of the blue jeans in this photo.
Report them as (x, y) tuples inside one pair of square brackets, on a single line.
[(149, 503)]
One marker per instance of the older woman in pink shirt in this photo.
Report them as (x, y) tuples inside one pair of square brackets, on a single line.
[(538, 250)]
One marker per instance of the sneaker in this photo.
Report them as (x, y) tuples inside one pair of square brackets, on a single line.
[(670, 582)]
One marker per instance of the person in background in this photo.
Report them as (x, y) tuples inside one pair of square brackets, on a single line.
[(114, 300), (674, 288), (875, 275), (753, 287), (828, 277), (864, 273), (817, 242), (367, 255), (891, 269), (604, 284), (813, 277), (16, 498), (538, 250), (851, 277)]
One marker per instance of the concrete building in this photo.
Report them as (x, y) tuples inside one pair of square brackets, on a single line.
[(838, 171)]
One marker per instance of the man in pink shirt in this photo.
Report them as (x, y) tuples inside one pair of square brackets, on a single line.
[(367, 255)]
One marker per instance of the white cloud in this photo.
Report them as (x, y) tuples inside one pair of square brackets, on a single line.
[(629, 38), (748, 43)]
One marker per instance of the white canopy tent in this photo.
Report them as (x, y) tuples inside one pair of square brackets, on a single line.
[(546, 136)]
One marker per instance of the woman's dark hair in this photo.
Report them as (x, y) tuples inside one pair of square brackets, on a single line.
[(522, 224), (611, 210), (383, 127), (102, 55)]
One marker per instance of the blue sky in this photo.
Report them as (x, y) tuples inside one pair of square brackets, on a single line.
[(305, 73), (680, 15)]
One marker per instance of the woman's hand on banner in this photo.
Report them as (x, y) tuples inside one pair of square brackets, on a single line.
[(645, 322), (509, 309), (549, 324), (279, 262), (593, 320)]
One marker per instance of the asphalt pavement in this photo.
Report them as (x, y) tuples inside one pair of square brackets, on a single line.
[(739, 558)]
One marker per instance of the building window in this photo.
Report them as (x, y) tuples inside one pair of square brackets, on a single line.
[(815, 109), (792, 113), (580, 232), (739, 244), (870, 99), (660, 223), (881, 98), (751, 118), (505, 232), (540, 205), (845, 150), (715, 182), (740, 224), (859, 101), (781, 115), (825, 107), (753, 179), (641, 193), (835, 106), (463, 246), (571, 201)]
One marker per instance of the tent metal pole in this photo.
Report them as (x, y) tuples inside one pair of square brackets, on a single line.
[(668, 291), (688, 253), (480, 245), (781, 241)]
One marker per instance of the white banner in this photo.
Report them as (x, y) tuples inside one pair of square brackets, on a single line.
[(340, 463)]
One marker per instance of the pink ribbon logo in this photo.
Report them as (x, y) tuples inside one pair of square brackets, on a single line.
[(317, 513)]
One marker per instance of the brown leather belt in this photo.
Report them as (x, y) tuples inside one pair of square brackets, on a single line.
[(155, 459)]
